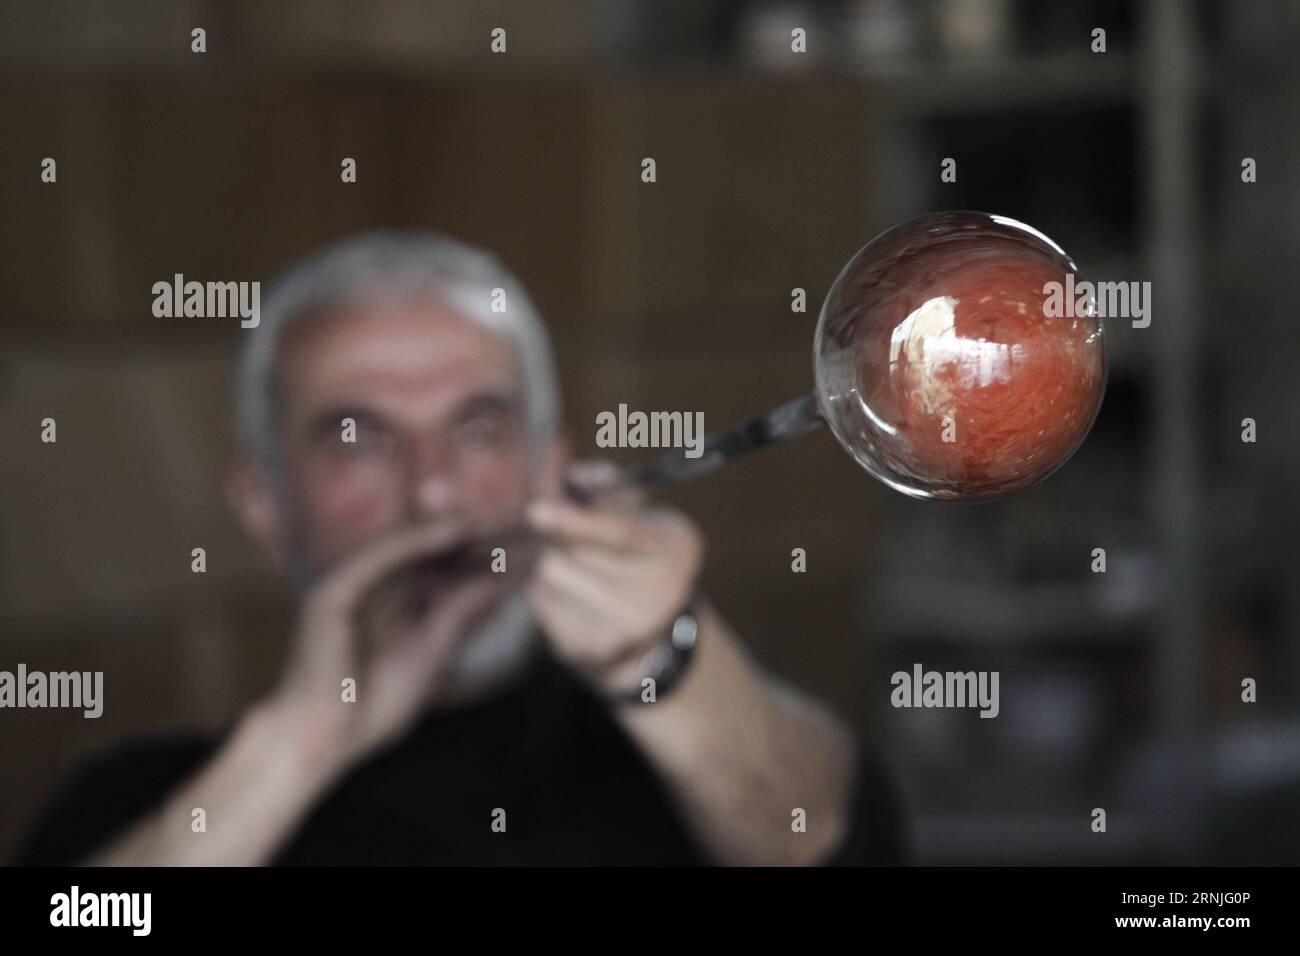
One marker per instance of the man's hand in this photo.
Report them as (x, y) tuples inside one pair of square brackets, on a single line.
[(738, 750), (611, 580), (381, 616), (391, 623)]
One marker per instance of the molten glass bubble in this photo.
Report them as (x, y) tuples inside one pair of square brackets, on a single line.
[(946, 365)]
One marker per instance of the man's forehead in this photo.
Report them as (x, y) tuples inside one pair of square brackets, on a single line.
[(412, 347)]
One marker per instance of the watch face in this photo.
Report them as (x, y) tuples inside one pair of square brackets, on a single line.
[(685, 630)]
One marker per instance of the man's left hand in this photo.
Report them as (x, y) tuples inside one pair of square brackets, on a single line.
[(611, 579)]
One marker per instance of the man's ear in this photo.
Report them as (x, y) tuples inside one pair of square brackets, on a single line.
[(248, 490)]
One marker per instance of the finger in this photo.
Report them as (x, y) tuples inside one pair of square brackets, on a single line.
[(451, 622), (593, 476), (564, 620), (602, 480), (344, 587), (376, 616), (626, 499), (577, 636), (627, 609), (576, 633), (624, 572), (417, 658), (565, 574), (569, 523)]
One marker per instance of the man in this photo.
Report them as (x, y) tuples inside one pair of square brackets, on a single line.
[(481, 670)]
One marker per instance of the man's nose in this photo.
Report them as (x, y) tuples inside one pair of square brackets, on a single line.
[(435, 485)]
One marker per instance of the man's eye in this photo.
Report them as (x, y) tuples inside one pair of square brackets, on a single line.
[(369, 441), (483, 430)]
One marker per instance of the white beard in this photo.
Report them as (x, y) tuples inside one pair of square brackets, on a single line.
[(496, 646)]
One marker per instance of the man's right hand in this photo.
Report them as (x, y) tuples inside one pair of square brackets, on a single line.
[(377, 618), (374, 618)]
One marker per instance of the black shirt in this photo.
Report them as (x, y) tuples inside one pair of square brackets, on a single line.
[(575, 791)]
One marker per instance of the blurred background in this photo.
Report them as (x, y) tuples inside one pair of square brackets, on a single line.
[(1119, 690)]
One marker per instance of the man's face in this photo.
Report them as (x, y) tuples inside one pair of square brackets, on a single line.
[(440, 432)]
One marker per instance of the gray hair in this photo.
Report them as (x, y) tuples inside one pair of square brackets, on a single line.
[(384, 266)]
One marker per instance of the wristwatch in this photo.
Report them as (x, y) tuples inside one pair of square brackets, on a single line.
[(666, 663)]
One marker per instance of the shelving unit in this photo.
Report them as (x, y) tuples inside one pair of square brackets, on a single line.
[(953, 611)]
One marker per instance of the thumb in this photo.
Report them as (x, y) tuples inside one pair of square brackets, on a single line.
[(600, 479), (453, 619)]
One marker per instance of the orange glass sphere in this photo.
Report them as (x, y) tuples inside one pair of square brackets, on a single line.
[(944, 366)]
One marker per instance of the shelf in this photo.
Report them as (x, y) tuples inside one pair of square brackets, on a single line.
[(994, 613), (1005, 82)]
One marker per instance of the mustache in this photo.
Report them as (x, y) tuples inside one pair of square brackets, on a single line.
[(479, 553), (505, 556), (508, 548)]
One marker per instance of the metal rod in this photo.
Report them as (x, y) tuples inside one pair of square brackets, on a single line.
[(784, 421)]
